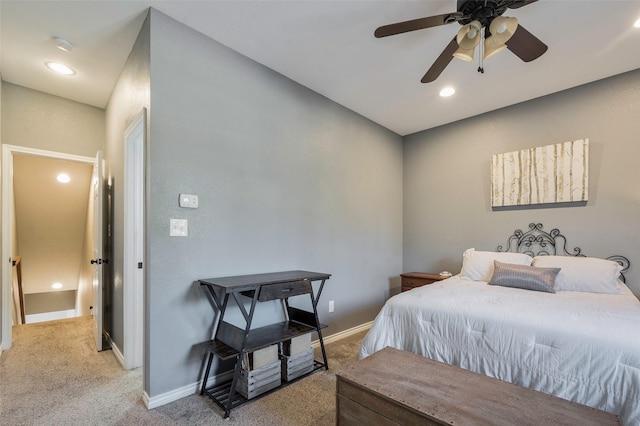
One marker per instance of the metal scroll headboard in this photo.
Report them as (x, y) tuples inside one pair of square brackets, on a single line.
[(536, 242)]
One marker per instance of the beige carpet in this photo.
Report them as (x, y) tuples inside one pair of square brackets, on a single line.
[(53, 376)]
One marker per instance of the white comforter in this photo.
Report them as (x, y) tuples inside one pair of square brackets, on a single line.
[(584, 347)]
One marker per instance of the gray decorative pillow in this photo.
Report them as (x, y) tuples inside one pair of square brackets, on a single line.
[(525, 277)]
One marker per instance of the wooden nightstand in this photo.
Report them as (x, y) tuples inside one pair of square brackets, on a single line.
[(418, 279)]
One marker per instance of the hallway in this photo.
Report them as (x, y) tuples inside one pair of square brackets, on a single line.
[(53, 375)]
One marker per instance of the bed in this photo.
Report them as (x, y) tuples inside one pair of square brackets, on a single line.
[(578, 339)]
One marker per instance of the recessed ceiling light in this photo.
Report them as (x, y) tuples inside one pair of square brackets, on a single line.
[(56, 285), (62, 43), (637, 24), (63, 178), (60, 68), (447, 91)]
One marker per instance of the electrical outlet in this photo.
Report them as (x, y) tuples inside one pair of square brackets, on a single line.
[(331, 306), (178, 227)]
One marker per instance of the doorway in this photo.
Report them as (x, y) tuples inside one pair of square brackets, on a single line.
[(9, 240), (51, 236)]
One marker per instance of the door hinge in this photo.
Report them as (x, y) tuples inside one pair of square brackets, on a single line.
[(139, 265)]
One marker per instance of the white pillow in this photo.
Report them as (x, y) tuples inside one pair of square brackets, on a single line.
[(588, 274), (478, 265)]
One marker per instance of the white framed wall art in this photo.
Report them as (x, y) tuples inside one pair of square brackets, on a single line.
[(549, 174)]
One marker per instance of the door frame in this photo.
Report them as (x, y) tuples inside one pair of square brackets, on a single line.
[(134, 240), (97, 193), (8, 207)]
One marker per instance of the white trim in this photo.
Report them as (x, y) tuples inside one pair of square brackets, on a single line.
[(97, 248), (7, 224), (7, 233), (194, 388), (184, 391), (46, 153), (343, 334), (50, 316), (116, 351), (133, 277)]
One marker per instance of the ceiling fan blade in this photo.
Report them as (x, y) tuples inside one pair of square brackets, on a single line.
[(416, 24), (519, 3), (441, 63), (525, 45)]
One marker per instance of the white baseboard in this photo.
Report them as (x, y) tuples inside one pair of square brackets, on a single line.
[(194, 388), (343, 334), (117, 353), (50, 316), (188, 390)]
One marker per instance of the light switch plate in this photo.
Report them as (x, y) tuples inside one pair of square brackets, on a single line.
[(189, 201), (178, 227)]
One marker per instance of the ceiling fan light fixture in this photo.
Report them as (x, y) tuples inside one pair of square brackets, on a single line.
[(464, 54), (477, 19), (469, 35), (468, 38), (502, 29), (491, 48)]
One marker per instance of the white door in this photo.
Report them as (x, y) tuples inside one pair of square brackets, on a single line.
[(97, 190)]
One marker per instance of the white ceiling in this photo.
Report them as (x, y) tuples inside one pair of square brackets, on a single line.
[(329, 47)]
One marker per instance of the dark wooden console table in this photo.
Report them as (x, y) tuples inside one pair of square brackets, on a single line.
[(233, 342)]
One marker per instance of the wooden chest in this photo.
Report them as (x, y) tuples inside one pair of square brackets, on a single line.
[(393, 387)]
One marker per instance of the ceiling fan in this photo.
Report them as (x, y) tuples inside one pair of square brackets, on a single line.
[(475, 15)]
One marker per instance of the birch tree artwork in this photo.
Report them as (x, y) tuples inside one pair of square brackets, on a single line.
[(549, 174)]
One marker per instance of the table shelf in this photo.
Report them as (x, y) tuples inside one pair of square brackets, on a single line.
[(220, 393), (233, 342), (220, 349), (259, 338)]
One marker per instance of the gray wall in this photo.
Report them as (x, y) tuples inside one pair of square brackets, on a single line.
[(38, 120), (52, 301), (130, 95), (287, 180), (447, 184)]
